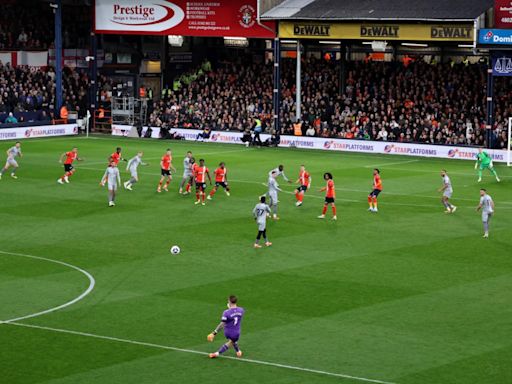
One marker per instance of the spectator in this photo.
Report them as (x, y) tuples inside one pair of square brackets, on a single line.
[(11, 119), (310, 131)]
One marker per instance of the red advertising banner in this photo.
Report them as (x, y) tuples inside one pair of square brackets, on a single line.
[(228, 18), (503, 14)]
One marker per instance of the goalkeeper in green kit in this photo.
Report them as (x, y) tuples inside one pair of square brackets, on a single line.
[(484, 161)]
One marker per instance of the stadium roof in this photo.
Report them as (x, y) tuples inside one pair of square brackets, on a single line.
[(345, 10)]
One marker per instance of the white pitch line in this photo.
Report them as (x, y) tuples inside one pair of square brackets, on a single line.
[(386, 164), (92, 283), (192, 351)]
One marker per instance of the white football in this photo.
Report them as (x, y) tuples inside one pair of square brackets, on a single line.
[(175, 250)]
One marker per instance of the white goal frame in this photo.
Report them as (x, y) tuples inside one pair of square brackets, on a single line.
[(509, 144)]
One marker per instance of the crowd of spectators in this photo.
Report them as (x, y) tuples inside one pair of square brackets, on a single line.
[(420, 102), (224, 99), (386, 101), (30, 26), (31, 92)]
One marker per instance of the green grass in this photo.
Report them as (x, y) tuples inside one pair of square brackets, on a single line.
[(409, 295)]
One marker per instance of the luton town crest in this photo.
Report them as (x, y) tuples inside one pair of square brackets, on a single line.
[(247, 16)]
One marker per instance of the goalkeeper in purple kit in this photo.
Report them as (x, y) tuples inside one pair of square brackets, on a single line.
[(231, 322)]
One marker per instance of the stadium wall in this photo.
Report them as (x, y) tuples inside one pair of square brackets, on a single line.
[(38, 131), (327, 144)]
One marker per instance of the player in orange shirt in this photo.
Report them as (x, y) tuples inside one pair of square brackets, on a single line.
[(116, 157), (166, 166), (200, 173), (330, 195), (221, 180), (377, 188), (304, 182), (70, 156)]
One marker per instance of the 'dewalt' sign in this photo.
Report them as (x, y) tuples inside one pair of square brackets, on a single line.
[(376, 31), (389, 31), (449, 32), (320, 30)]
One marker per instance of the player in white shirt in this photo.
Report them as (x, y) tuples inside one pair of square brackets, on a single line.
[(12, 153), (188, 173), (132, 166), (113, 178), (487, 207), (447, 190), (279, 172), (260, 213), (273, 188)]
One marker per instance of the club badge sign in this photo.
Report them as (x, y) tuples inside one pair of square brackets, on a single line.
[(502, 65), (180, 17)]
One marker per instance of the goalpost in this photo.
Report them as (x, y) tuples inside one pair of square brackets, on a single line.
[(509, 144)]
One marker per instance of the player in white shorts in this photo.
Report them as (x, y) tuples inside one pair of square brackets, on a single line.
[(273, 188), (112, 178), (12, 153), (447, 190), (188, 163), (132, 166), (487, 207), (260, 213)]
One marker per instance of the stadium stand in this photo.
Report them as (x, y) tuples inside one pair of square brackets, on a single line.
[(30, 26), (420, 102), (29, 94)]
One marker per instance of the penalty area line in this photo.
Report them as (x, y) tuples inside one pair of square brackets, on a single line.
[(192, 351)]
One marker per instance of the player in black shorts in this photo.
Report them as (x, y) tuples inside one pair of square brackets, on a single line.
[(221, 180), (377, 188), (200, 173)]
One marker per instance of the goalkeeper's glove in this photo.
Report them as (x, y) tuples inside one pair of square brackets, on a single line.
[(211, 337)]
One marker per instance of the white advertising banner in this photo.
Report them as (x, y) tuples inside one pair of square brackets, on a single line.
[(341, 145), (30, 59), (38, 131)]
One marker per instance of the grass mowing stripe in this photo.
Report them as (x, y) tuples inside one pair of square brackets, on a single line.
[(185, 350)]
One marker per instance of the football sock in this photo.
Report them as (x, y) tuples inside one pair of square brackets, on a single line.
[(446, 204), (301, 197), (370, 202), (324, 210), (479, 173), (297, 196), (237, 348), (187, 188), (167, 183), (334, 210), (14, 171), (493, 171), (486, 226), (212, 192), (265, 235), (132, 181), (223, 349), (2, 171), (375, 202), (197, 196)]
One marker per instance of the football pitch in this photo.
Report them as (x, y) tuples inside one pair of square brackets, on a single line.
[(408, 295)]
